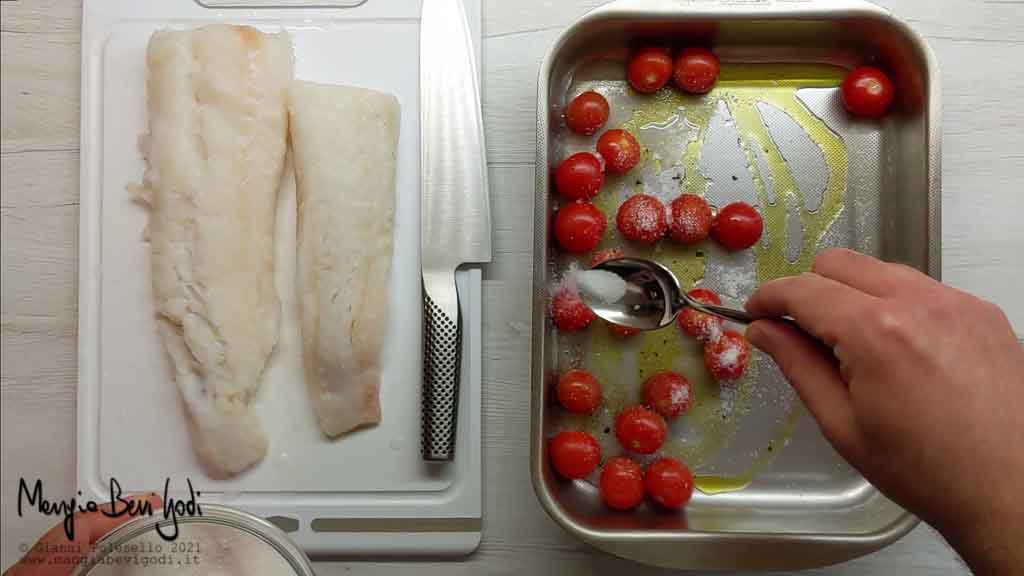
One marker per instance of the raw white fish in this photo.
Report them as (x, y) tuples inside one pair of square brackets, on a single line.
[(344, 143), (215, 153)]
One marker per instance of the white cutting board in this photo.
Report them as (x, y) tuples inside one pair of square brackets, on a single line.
[(131, 427)]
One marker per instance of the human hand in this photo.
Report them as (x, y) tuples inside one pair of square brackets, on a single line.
[(54, 555), (918, 385)]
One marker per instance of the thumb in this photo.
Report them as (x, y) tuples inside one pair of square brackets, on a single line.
[(814, 373)]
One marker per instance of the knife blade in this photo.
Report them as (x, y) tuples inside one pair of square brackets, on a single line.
[(455, 209)]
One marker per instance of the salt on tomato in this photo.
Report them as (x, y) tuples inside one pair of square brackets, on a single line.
[(605, 255), (579, 176), (569, 312), (586, 113), (868, 92), (621, 484), (620, 150), (642, 219), (696, 70), (726, 358), (738, 226), (691, 219), (623, 332), (579, 226), (640, 430), (579, 391), (574, 454), (668, 393), (701, 325), (669, 483), (649, 69)]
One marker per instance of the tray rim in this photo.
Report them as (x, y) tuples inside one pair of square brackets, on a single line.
[(801, 550)]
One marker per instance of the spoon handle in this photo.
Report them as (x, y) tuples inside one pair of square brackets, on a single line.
[(724, 312), (732, 314)]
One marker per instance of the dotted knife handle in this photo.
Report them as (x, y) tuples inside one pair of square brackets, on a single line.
[(442, 360)]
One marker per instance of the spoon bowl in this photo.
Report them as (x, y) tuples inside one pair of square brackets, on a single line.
[(642, 294)]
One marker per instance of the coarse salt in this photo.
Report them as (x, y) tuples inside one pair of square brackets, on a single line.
[(601, 286), (680, 394), (730, 357)]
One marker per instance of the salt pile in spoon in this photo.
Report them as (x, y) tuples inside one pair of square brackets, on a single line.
[(601, 286)]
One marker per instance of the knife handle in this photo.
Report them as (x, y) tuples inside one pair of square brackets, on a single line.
[(442, 360)]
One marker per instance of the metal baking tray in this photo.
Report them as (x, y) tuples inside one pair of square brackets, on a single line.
[(774, 495)]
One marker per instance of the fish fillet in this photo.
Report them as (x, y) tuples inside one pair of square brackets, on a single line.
[(344, 143), (215, 153)]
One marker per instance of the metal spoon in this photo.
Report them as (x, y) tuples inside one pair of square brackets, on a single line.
[(650, 298)]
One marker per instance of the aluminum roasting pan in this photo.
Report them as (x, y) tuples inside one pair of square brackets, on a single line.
[(871, 186)]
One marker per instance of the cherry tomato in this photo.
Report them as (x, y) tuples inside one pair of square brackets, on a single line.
[(642, 219), (696, 70), (579, 392), (579, 226), (669, 483), (726, 358), (640, 430), (587, 113), (649, 69), (868, 92), (701, 325), (579, 176), (738, 226), (622, 331), (621, 484), (620, 150), (606, 255), (574, 454), (691, 219), (669, 393), (569, 312)]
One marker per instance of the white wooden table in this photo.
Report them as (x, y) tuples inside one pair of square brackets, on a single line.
[(980, 47)]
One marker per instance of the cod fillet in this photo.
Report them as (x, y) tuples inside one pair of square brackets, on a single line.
[(344, 143), (215, 153)]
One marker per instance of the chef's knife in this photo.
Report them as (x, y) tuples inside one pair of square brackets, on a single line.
[(455, 211)]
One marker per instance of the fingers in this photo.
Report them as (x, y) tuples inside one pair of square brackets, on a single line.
[(89, 527), (813, 373), (826, 309), (869, 274)]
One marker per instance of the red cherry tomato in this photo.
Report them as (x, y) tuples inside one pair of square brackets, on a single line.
[(649, 69), (642, 219), (579, 392), (691, 219), (569, 312), (669, 483), (622, 331), (726, 358), (579, 226), (738, 226), (669, 393), (696, 70), (868, 92), (622, 484), (640, 430), (606, 255), (620, 150), (574, 454), (587, 113), (579, 176), (700, 325)]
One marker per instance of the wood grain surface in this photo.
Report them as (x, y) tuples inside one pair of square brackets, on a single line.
[(980, 48)]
